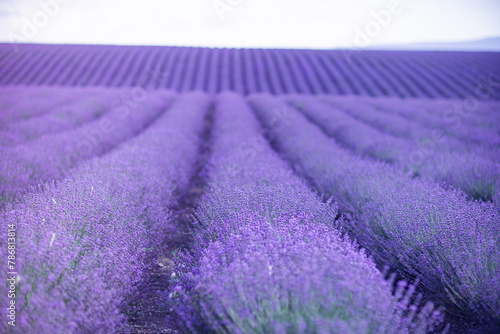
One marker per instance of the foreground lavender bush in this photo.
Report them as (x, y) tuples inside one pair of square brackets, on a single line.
[(266, 255), (413, 225), (84, 242), (49, 157), (298, 276)]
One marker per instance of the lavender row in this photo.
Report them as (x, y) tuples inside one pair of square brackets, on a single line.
[(59, 119), (49, 157), (357, 136), (85, 242), (338, 72), (415, 226), (472, 166), (475, 109), (474, 173), (266, 255), (20, 103), (473, 122), (395, 124)]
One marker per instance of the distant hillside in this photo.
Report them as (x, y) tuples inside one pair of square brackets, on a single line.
[(276, 71), (487, 44)]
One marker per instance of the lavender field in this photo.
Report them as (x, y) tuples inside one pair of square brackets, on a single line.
[(196, 190)]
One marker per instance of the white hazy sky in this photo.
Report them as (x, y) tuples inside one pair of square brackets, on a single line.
[(246, 23)]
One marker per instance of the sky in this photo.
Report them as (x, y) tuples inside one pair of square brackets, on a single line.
[(318, 24)]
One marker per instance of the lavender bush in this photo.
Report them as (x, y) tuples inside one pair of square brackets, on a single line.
[(266, 255)]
